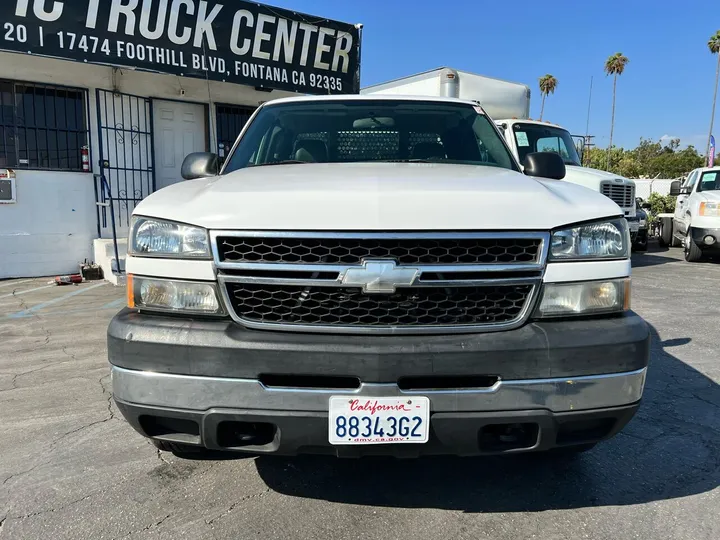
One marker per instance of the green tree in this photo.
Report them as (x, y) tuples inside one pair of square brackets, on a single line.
[(714, 46), (649, 159), (547, 83), (614, 65)]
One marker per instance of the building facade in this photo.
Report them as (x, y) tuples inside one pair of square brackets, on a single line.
[(82, 137)]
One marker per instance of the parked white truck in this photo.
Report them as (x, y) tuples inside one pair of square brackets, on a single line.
[(377, 275), (508, 103), (695, 224)]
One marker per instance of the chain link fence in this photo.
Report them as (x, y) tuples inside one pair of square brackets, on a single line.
[(644, 187)]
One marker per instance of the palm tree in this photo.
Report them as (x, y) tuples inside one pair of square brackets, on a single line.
[(714, 46), (548, 83), (614, 65)]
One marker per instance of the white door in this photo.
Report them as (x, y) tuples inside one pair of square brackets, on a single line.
[(683, 201), (179, 130)]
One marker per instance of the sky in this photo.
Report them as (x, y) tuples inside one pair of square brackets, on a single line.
[(665, 92)]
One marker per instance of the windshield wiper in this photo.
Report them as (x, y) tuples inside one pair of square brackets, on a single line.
[(284, 162)]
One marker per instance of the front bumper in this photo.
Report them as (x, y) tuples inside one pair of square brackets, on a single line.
[(205, 383), (698, 235)]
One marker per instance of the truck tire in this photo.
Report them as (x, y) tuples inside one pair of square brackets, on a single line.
[(692, 252), (674, 240), (663, 237)]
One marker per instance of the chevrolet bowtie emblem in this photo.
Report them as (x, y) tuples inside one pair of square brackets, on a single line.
[(380, 277)]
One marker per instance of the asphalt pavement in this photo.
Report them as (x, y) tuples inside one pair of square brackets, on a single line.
[(71, 467)]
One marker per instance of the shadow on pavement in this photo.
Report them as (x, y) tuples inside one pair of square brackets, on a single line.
[(670, 450), (211, 455), (652, 258)]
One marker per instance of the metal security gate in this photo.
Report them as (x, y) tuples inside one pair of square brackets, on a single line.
[(126, 159), (230, 121)]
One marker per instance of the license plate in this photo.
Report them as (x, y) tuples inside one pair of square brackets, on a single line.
[(634, 226), (389, 420)]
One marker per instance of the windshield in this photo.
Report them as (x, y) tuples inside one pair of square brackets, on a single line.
[(538, 138), (370, 131), (709, 182)]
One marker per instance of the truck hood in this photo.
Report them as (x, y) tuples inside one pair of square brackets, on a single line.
[(376, 196), (593, 177), (710, 196)]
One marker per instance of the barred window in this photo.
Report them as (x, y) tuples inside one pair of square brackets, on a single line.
[(230, 121), (42, 127)]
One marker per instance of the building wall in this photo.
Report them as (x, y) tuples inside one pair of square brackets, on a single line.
[(52, 225)]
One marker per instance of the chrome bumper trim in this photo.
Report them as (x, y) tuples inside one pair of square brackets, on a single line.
[(203, 393)]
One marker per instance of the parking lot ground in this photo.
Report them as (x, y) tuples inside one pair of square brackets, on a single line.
[(70, 467)]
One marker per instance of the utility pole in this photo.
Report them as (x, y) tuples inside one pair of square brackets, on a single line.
[(588, 138), (588, 145), (587, 124)]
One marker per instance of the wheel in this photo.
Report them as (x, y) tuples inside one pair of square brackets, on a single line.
[(662, 239), (692, 252)]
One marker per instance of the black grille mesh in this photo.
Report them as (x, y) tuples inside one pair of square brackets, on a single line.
[(353, 250), (332, 306)]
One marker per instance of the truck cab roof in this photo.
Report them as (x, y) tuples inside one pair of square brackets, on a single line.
[(528, 121), (372, 97)]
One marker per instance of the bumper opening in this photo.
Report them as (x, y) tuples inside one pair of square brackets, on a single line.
[(504, 437), (232, 434), (171, 429), (317, 382)]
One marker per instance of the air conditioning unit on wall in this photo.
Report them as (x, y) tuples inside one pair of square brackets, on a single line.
[(7, 186)]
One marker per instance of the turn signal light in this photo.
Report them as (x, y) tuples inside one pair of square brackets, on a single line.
[(130, 292)]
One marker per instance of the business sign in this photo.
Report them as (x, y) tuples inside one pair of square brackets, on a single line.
[(230, 41)]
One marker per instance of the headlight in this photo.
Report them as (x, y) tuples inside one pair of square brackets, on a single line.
[(588, 298), (643, 223), (154, 237), (709, 209), (605, 239), (178, 296)]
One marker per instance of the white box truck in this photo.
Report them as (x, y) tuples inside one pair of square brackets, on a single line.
[(508, 103)]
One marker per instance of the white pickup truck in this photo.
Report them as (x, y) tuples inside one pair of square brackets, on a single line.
[(352, 282), (508, 103), (695, 224)]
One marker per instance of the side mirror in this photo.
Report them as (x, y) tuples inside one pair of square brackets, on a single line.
[(544, 165), (675, 188), (200, 165), (646, 206)]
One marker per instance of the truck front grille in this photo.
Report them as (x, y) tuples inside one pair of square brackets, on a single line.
[(327, 306), (621, 194), (354, 250), (392, 283)]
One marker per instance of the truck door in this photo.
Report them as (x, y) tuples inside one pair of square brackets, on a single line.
[(683, 201)]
